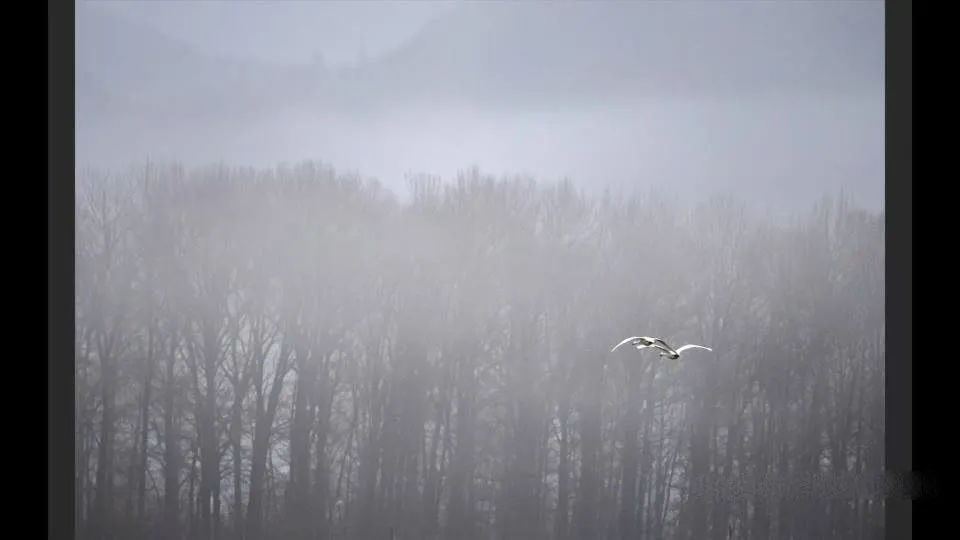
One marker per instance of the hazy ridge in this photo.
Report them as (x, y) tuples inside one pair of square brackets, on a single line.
[(778, 104)]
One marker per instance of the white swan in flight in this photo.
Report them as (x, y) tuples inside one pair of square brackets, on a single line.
[(642, 342)]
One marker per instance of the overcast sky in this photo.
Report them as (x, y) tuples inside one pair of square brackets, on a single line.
[(285, 31), (730, 134)]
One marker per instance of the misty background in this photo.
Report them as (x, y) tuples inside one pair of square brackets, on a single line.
[(777, 100), (352, 271)]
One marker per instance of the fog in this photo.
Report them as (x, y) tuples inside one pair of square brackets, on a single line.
[(795, 107), (330, 296), (288, 33)]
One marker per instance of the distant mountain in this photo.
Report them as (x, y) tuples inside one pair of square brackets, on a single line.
[(522, 52), (507, 53), (124, 68), (522, 86), (132, 58)]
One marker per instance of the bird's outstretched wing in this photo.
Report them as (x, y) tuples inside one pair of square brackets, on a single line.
[(691, 346), (624, 342)]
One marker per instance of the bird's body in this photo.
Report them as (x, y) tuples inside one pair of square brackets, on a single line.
[(666, 351)]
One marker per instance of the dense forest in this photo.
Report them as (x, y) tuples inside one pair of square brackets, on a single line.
[(296, 353)]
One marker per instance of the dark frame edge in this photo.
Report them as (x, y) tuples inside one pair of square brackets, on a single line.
[(899, 261), (60, 266)]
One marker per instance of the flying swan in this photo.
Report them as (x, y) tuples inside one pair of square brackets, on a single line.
[(642, 342)]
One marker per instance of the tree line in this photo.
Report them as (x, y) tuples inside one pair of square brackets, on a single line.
[(295, 353)]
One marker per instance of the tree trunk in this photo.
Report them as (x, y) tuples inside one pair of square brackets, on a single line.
[(207, 424), (321, 477), (299, 499), (144, 426), (366, 518), (236, 444), (101, 522), (171, 452), (459, 518), (588, 492), (630, 460), (700, 471), (563, 473), (263, 429), (431, 491)]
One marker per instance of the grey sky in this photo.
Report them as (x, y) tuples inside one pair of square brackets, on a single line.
[(779, 99), (284, 31)]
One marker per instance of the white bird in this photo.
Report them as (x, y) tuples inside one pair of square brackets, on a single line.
[(638, 342), (642, 342)]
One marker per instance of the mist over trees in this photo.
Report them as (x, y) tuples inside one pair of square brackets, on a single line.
[(779, 101), (293, 353)]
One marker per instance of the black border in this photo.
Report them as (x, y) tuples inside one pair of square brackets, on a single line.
[(899, 260), (60, 225)]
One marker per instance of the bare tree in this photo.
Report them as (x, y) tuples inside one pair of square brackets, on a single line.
[(290, 353)]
